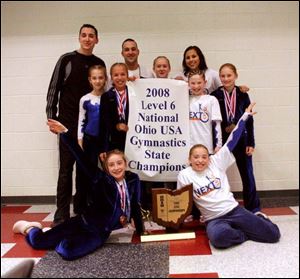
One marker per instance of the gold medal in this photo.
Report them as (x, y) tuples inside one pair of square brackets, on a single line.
[(118, 126), (230, 128), (122, 127), (123, 220)]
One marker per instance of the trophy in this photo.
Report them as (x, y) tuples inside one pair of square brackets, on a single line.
[(169, 209)]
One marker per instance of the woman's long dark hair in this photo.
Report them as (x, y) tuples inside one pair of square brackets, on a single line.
[(202, 65)]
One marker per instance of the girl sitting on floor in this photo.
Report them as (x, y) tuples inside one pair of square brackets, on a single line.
[(114, 200)]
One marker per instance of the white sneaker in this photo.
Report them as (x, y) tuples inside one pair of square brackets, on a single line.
[(22, 226)]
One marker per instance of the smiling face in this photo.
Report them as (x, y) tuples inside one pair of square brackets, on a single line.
[(199, 158), (161, 67), (228, 76), (130, 52), (97, 79), (119, 76), (192, 59), (116, 166), (87, 39), (197, 84)]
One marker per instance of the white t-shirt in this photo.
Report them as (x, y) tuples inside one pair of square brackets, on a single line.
[(203, 110), (141, 72), (212, 79), (211, 190)]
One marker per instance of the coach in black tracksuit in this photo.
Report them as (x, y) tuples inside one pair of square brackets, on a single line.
[(68, 84)]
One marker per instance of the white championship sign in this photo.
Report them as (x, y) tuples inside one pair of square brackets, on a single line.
[(157, 142)]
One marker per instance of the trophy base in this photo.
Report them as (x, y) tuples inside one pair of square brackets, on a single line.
[(167, 236)]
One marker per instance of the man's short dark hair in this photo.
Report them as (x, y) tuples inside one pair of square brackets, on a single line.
[(129, 40), (86, 25)]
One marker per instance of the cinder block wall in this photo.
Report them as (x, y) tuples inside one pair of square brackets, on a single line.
[(260, 38)]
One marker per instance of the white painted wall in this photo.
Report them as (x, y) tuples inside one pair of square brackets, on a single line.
[(260, 38)]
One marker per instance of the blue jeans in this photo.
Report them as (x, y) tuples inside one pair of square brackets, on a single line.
[(238, 226)]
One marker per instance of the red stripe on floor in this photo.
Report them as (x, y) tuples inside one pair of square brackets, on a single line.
[(8, 220), (188, 247), (10, 215), (14, 209), (278, 211)]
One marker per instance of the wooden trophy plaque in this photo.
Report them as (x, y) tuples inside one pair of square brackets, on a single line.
[(171, 207)]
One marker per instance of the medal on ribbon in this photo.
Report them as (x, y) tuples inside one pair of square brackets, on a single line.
[(230, 128), (122, 102), (124, 202), (123, 220), (230, 106)]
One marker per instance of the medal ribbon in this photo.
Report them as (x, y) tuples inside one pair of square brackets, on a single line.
[(122, 101), (122, 192), (124, 198), (230, 104)]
